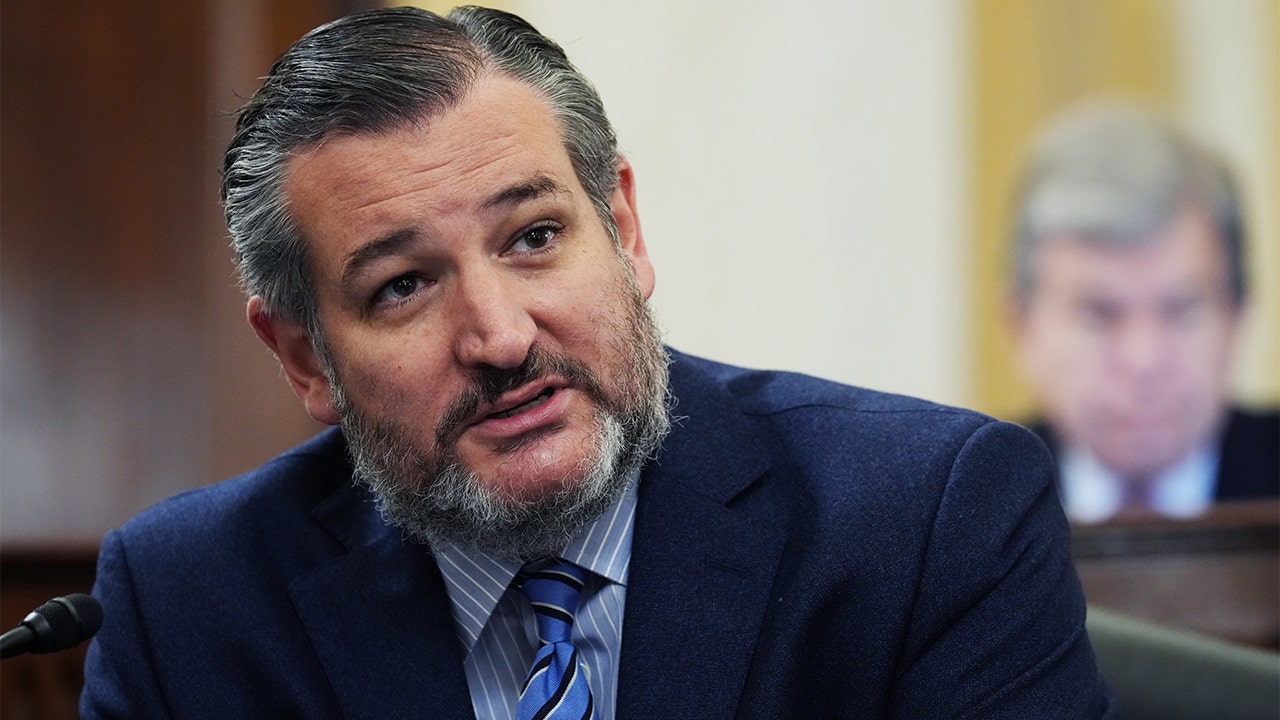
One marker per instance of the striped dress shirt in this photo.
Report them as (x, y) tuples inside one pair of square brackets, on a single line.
[(496, 625)]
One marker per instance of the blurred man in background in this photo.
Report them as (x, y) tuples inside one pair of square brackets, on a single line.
[(1129, 290)]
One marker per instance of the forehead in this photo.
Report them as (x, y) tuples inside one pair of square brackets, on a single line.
[(1186, 255), (500, 134)]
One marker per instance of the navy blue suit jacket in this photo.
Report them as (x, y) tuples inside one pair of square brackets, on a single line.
[(801, 549)]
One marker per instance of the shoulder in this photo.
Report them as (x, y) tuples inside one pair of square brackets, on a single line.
[(799, 404), (1041, 427), (937, 525), (1261, 425), (775, 391), (293, 479), (839, 438), (262, 508), (198, 568), (1250, 462)]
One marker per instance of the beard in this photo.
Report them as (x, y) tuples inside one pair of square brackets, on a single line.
[(435, 498)]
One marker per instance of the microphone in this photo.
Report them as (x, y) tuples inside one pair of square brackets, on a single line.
[(59, 624)]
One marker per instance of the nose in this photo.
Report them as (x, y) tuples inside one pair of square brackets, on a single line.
[(493, 327), (1142, 345)]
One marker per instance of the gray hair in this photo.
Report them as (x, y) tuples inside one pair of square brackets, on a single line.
[(374, 72), (1114, 175)]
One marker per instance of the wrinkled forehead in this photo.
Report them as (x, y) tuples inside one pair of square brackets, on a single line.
[(532, 104), (499, 147), (497, 117)]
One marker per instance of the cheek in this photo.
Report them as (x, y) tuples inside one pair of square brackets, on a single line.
[(1206, 369), (1056, 353), (1065, 366), (586, 313), (1215, 344), (390, 373)]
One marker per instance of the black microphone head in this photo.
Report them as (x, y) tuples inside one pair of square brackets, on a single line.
[(64, 622), (86, 610)]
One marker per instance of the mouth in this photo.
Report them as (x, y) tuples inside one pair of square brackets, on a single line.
[(537, 400)]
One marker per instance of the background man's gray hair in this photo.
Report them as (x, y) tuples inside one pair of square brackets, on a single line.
[(372, 73), (1114, 175)]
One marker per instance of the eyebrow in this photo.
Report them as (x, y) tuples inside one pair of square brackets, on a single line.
[(538, 186), (357, 260)]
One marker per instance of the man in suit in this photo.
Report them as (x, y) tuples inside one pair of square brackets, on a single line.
[(440, 244), (1129, 289)]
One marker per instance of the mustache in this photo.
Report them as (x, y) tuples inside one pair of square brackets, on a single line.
[(489, 383)]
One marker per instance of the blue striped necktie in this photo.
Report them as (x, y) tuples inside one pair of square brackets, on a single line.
[(557, 684)]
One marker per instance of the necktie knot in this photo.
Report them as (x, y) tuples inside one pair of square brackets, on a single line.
[(554, 592), (556, 686)]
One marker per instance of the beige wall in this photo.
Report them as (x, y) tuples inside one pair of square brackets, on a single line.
[(1228, 71), (798, 167)]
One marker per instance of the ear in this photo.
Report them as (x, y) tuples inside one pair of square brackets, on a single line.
[(301, 365), (629, 235)]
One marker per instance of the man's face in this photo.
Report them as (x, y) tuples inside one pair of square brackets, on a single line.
[(1129, 349), (479, 322)]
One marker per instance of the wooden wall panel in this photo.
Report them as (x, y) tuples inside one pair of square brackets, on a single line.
[(127, 371), (105, 198)]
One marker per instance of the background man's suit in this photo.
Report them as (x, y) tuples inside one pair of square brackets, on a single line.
[(1249, 454), (801, 549)]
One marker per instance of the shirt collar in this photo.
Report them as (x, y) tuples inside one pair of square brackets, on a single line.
[(476, 582), (1092, 491)]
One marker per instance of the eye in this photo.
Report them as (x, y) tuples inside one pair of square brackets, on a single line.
[(1183, 312), (1098, 314), (535, 238), (400, 288)]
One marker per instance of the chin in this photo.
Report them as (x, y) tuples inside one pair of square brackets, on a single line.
[(1140, 459), (515, 492), (539, 470)]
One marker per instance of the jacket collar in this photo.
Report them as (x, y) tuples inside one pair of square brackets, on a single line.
[(708, 537), (379, 619)]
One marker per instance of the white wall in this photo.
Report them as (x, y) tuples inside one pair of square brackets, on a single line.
[(800, 171)]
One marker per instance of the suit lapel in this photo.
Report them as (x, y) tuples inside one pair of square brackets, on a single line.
[(379, 619), (706, 546)]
